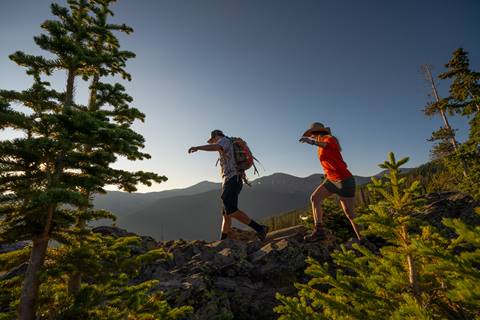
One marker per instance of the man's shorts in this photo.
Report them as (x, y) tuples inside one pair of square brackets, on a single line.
[(230, 192), (344, 188)]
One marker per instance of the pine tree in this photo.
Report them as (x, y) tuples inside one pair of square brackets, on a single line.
[(465, 99), (404, 280), (65, 150), (456, 266), (445, 136), (465, 87)]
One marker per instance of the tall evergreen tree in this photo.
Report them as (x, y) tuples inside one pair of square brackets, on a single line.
[(465, 87), (444, 137), (465, 99), (65, 150)]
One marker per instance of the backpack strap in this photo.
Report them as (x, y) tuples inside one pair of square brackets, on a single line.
[(243, 176), (255, 170)]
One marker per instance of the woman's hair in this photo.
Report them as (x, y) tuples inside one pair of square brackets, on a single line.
[(324, 134)]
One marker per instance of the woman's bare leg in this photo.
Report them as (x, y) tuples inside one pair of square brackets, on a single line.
[(348, 206), (316, 200)]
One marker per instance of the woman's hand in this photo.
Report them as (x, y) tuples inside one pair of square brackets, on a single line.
[(192, 150), (307, 140)]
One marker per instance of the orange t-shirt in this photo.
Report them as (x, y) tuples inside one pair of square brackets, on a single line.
[(331, 159)]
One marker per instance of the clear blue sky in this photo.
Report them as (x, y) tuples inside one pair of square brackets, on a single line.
[(265, 70)]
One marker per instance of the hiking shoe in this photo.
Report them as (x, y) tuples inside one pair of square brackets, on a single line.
[(317, 234), (263, 233)]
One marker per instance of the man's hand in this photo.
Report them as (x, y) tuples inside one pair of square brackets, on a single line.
[(207, 147), (306, 140), (192, 150)]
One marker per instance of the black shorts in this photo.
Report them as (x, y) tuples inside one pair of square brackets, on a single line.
[(344, 188), (230, 192)]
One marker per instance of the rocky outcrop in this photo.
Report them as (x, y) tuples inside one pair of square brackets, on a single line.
[(146, 242), (234, 279), (449, 205)]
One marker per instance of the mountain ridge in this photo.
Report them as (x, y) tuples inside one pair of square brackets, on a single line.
[(195, 212)]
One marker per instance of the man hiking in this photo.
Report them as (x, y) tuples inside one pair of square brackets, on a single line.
[(338, 180), (232, 184)]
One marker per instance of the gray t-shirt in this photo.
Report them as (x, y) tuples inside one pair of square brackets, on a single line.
[(227, 159)]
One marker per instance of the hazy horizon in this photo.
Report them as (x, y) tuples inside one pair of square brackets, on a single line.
[(252, 178)]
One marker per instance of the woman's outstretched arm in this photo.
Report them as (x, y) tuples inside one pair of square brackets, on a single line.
[(313, 142)]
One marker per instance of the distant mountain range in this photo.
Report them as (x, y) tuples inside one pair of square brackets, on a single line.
[(194, 212), (124, 203)]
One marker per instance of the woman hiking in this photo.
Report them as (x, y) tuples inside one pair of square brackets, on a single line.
[(231, 186), (338, 180)]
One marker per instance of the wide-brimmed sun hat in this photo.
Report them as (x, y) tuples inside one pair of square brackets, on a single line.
[(214, 134), (316, 127)]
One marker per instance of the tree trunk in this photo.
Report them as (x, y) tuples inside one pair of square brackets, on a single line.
[(412, 276), (449, 128), (75, 280), (31, 283), (412, 269), (92, 101), (74, 283), (70, 86), (27, 308), (442, 112)]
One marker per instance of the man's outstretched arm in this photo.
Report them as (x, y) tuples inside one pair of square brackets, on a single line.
[(207, 147)]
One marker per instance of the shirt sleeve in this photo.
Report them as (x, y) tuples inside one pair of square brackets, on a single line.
[(331, 143), (224, 143)]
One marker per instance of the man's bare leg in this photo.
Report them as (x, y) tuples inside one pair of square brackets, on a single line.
[(348, 206), (226, 225), (245, 219), (241, 216)]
